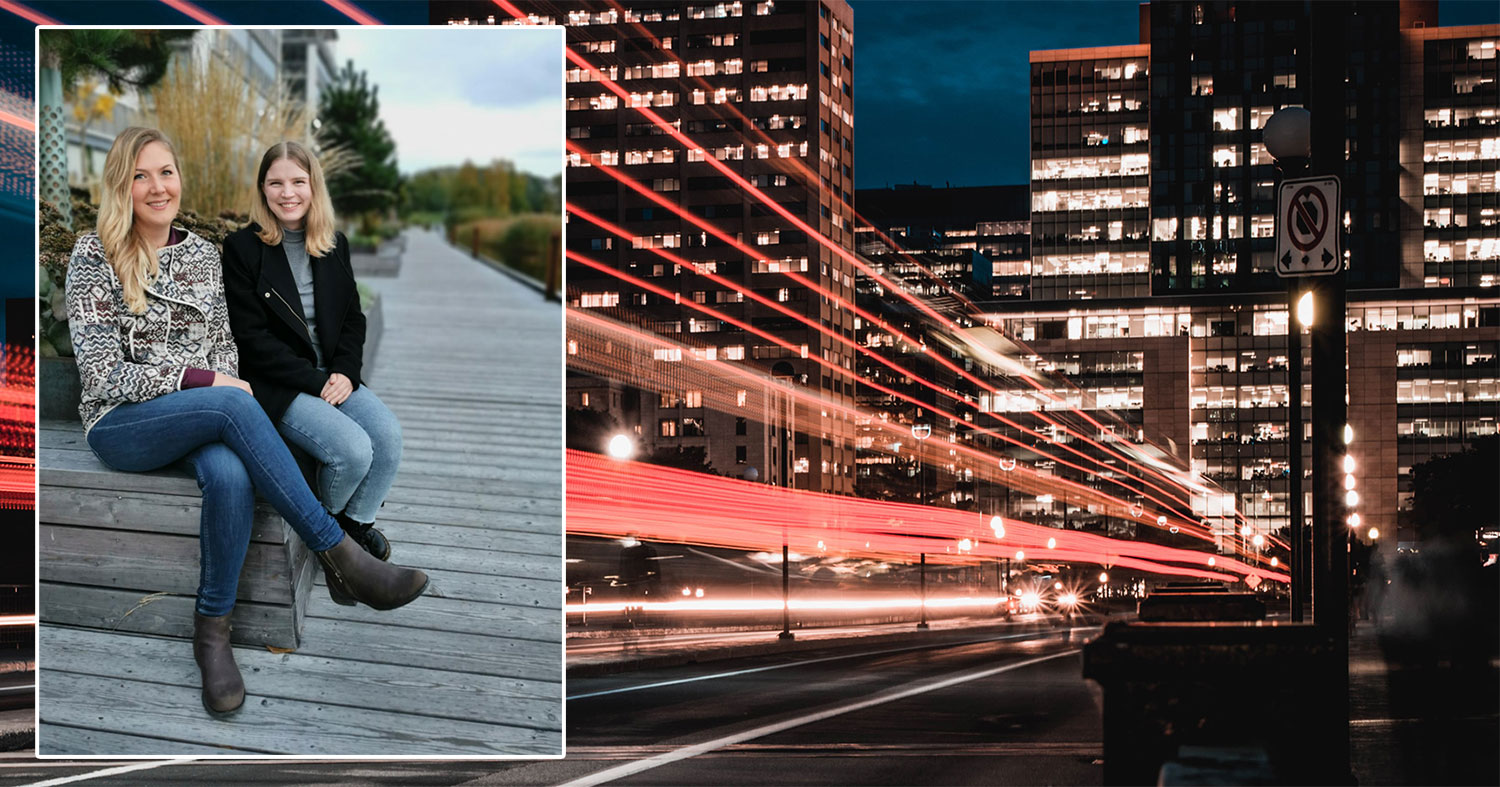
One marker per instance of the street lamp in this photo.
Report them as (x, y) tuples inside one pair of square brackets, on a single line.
[(1287, 136), (921, 432), (620, 447)]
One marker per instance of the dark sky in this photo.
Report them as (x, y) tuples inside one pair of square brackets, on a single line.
[(942, 89)]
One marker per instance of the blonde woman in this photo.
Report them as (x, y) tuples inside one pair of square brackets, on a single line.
[(159, 374), (295, 314)]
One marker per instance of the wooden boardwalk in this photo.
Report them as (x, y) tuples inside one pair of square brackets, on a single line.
[(471, 363)]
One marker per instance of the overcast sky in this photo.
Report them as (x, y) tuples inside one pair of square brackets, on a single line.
[(449, 94)]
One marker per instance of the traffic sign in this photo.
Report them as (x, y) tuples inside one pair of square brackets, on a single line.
[(1307, 228)]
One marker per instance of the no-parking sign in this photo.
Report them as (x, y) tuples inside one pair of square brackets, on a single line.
[(1307, 227)]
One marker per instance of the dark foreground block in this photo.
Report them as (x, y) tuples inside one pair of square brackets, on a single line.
[(1201, 606), (1257, 686)]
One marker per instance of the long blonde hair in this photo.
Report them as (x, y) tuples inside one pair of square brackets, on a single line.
[(134, 260), (319, 221)]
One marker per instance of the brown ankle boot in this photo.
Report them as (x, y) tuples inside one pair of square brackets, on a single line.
[(223, 689), (354, 575)]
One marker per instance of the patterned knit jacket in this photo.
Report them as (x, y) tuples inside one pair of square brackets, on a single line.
[(126, 357)]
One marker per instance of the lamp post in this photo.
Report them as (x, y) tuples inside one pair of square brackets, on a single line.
[(1288, 138), (921, 432), (786, 634), (1325, 147)]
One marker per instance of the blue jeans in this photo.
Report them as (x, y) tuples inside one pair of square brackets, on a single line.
[(357, 444), (235, 451)]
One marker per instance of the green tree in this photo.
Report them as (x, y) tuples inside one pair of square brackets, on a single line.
[(497, 188), (122, 58), (350, 114)]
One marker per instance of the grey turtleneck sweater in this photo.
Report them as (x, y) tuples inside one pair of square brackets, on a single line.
[(294, 243)]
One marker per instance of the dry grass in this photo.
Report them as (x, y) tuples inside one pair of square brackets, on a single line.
[(220, 130)]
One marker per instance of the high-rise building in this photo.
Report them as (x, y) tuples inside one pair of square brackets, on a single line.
[(737, 119), (1419, 210), (1152, 284), (990, 221)]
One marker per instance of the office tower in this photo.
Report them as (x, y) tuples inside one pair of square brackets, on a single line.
[(764, 89)]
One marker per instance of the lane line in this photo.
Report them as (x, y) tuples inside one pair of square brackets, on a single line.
[(140, 766), (688, 752), (752, 670)]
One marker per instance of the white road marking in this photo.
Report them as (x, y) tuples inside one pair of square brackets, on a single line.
[(688, 752), (140, 766), (751, 670)]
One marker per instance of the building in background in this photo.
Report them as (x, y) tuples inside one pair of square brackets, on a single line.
[(1151, 283), (992, 221), (309, 65), (1420, 196), (767, 89)]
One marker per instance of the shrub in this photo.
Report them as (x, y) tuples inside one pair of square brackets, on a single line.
[(526, 243)]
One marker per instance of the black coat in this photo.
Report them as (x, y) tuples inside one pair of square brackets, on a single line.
[(265, 314)]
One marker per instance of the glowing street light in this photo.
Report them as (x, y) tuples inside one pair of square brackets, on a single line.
[(1305, 309), (1052, 543), (998, 526), (621, 447)]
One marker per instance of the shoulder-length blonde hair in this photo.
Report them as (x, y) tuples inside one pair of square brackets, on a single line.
[(319, 222), (134, 260)]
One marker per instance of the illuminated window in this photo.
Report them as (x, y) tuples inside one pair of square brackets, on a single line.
[(662, 156), (720, 11), (1203, 85), (598, 300), (601, 101), (778, 92), (1164, 229), (1227, 156), (1227, 119)]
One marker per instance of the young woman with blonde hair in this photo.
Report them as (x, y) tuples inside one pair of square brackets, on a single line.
[(159, 373), (295, 313)]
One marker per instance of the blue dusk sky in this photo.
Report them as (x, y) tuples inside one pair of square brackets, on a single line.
[(942, 89)]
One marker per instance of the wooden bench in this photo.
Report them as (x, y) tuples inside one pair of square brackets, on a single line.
[(119, 551)]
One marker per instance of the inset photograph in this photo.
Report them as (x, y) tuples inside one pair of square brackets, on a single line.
[(299, 392)]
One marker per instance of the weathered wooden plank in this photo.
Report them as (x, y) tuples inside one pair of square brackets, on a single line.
[(548, 476), (447, 614), (440, 650), (77, 740), (481, 562), (298, 676), (451, 534), (131, 612), (453, 442), (272, 724), (151, 562), (412, 485), (495, 590), (147, 511)]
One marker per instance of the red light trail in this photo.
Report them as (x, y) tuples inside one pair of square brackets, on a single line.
[(589, 334), (714, 313), (874, 320), (614, 499)]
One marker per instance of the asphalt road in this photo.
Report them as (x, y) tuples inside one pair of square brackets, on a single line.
[(1014, 710)]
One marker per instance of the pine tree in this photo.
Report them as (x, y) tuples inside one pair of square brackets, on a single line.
[(350, 116)]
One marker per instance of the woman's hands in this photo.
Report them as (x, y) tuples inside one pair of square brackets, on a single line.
[(221, 378), (337, 389)]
